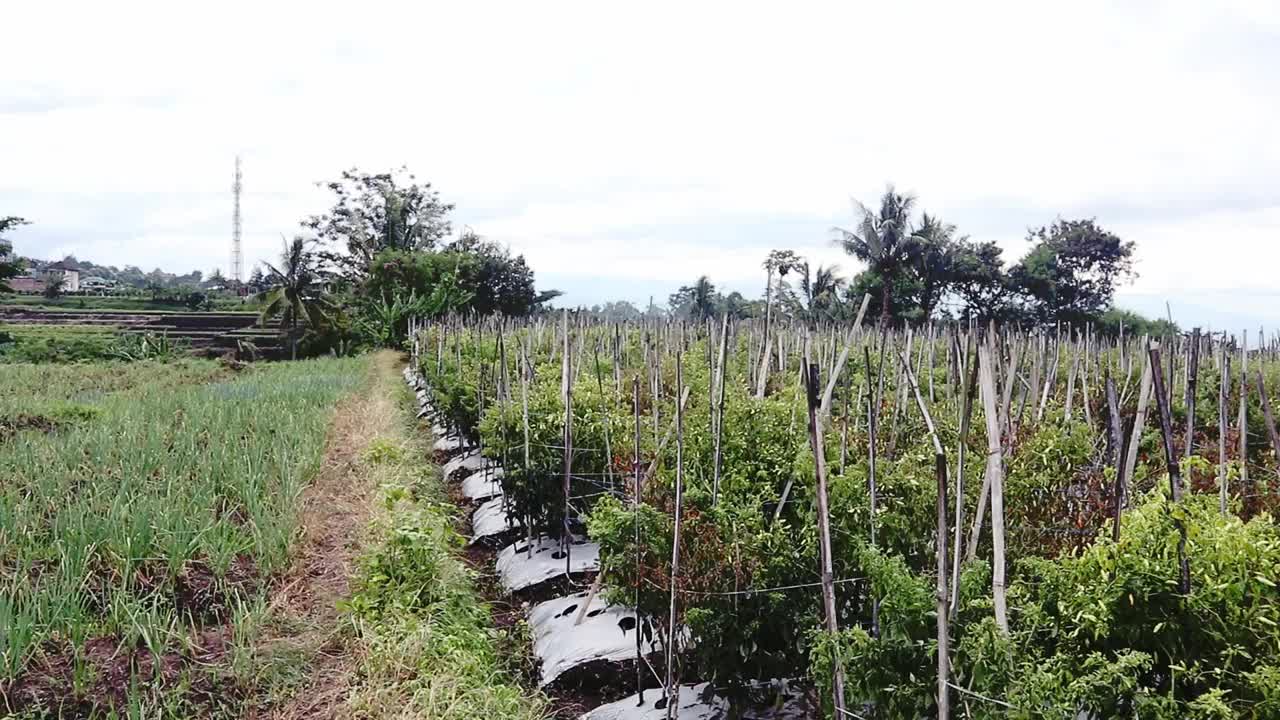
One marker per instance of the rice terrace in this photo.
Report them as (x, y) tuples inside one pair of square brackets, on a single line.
[(663, 403)]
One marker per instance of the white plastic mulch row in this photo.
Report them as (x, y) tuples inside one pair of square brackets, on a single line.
[(448, 444), (467, 462), (518, 568), (482, 484), (605, 633), (491, 519), (690, 704), (695, 703)]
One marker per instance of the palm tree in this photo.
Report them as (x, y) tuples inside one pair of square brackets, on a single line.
[(295, 292), (703, 300), (933, 260), (818, 291), (883, 240)]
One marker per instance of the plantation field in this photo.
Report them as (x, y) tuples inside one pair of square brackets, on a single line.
[(135, 537), (63, 335), (55, 343), (41, 397), (112, 302), (948, 520)]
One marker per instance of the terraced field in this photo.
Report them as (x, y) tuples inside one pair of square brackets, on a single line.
[(207, 333)]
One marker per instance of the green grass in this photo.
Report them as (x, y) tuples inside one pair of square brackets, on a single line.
[(68, 392), (163, 512), (429, 648), (133, 303), (56, 343)]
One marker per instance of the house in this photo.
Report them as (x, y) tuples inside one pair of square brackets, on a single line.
[(96, 284), (27, 284), (70, 276)]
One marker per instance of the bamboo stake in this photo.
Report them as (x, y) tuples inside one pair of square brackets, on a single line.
[(995, 475), (944, 640), (1115, 455), (524, 416), (1071, 382), (873, 410), (1244, 409), (1084, 380), (1193, 371), (1268, 415), (762, 377), (1224, 383), (718, 412), (966, 415), (1175, 476), (824, 532), (635, 510), (566, 396), (1139, 424), (675, 543)]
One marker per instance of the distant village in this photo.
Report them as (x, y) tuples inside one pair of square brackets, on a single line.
[(70, 276)]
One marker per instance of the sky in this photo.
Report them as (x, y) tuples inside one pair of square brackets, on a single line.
[(626, 149)]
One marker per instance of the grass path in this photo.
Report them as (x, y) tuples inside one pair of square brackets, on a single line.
[(377, 617), (305, 644)]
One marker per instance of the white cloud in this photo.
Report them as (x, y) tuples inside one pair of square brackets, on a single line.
[(593, 136)]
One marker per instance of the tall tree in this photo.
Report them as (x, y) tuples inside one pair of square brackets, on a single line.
[(373, 212), (10, 264), (932, 260), (495, 281), (738, 307), (54, 285), (697, 301), (296, 293), (257, 280), (980, 282), (1072, 271), (819, 290), (883, 240)]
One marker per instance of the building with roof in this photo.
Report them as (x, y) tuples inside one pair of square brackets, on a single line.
[(70, 276)]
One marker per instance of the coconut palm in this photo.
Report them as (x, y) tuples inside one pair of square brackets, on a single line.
[(295, 293), (883, 240), (704, 299), (933, 260), (819, 291)]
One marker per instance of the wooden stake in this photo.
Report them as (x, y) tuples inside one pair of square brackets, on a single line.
[(1175, 475), (1268, 415), (1115, 455), (675, 543), (1193, 371), (1244, 409), (1139, 424), (718, 411), (873, 411), (966, 414), (635, 510), (824, 533), (995, 478), (566, 397), (944, 640), (1224, 383)]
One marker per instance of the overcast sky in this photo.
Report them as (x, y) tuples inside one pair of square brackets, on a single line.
[(625, 150)]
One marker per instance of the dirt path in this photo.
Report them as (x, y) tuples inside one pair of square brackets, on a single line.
[(336, 510)]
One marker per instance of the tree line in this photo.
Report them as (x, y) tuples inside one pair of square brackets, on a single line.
[(919, 268), (383, 254)]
